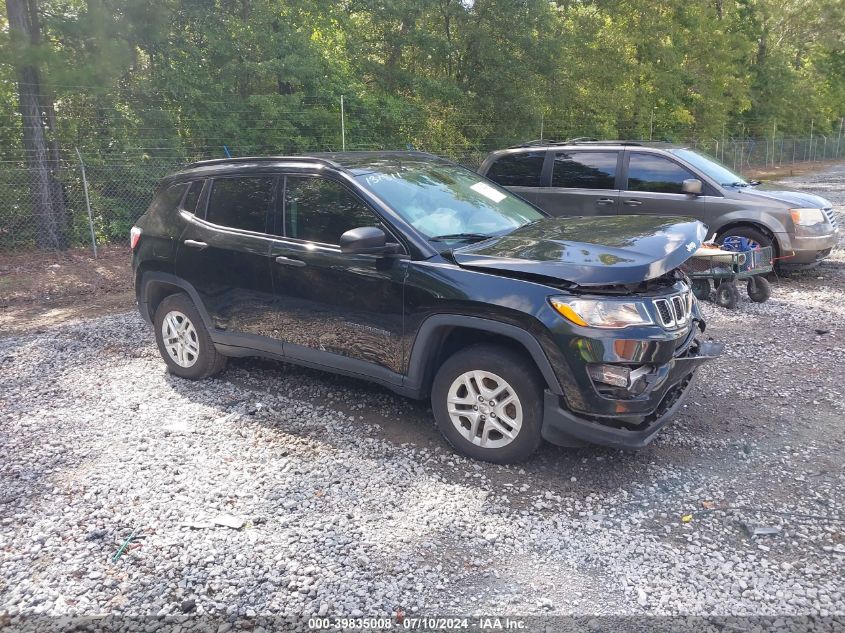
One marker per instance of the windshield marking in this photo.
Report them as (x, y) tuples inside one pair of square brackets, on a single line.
[(488, 192)]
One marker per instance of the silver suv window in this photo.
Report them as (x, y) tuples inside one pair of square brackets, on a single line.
[(522, 169), (585, 170), (653, 173)]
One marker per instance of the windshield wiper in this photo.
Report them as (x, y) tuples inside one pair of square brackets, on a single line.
[(463, 237)]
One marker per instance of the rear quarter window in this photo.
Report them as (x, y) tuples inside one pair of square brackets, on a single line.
[(518, 170), (160, 217), (167, 199)]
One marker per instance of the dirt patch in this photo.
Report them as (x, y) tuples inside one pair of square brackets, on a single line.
[(777, 172), (38, 289)]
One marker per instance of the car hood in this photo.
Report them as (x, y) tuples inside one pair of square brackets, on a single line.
[(795, 199), (589, 251)]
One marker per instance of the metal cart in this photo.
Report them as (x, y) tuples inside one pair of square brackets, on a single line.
[(717, 275)]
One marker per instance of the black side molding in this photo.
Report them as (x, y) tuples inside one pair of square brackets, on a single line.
[(152, 277)]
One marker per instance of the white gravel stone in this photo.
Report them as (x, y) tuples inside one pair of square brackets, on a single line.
[(342, 514)]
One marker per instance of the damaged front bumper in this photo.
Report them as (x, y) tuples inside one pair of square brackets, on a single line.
[(635, 421)]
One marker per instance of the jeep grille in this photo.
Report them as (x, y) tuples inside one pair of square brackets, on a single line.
[(675, 311)]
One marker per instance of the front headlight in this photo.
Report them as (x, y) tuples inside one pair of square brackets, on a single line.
[(605, 313), (807, 217)]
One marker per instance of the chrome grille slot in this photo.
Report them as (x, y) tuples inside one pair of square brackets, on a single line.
[(828, 213), (680, 313), (665, 312), (675, 311)]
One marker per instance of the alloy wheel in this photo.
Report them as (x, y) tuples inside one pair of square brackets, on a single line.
[(180, 338), (485, 409)]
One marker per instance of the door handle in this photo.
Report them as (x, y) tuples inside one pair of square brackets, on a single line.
[(633, 203), (604, 201), (195, 244), (289, 261)]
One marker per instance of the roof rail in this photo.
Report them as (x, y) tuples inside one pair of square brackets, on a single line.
[(257, 159), (578, 140), (543, 142), (606, 142)]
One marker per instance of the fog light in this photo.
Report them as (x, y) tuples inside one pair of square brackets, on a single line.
[(610, 374)]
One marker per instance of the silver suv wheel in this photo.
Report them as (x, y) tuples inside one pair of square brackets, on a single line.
[(180, 338), (485, 409)]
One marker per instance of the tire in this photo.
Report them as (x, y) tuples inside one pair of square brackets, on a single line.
[(727, 295), (502, 372), (199, 358), (759, 289), (750, 233), (701, 289)]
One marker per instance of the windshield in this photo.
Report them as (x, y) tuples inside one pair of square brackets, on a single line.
[(711, 167), (446, 201)]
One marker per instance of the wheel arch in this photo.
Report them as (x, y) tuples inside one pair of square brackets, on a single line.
[(441, 336), (155, 285), (751, 224)]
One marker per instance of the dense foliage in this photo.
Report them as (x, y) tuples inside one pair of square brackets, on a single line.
[(141, 85), (182, 78)]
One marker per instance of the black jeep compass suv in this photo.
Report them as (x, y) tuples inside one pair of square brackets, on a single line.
[(420, 275)]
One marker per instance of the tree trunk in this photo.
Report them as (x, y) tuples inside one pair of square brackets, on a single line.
[(47, 203)]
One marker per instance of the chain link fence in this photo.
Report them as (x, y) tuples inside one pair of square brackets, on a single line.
[(69, 216), (50, 210)]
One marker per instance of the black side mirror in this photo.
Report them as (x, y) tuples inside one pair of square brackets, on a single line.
[(367, 240), (692, 186)]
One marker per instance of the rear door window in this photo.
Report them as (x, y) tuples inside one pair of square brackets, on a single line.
[(656, 174), (585, 170), (321, 210), (241, 203), (523, 169)]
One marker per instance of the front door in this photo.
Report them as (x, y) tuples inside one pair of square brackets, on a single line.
[(334, 309), (654, 187), (225, 255), (583, 182)]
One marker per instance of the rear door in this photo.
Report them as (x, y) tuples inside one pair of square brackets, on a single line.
[(653, 186), (583, 182), (521, 172), (224, 252)]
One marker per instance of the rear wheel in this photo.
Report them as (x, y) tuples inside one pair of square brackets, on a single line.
[(488, 403), (183, 341)]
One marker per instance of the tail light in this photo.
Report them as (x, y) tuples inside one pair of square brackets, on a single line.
[(134, 236)]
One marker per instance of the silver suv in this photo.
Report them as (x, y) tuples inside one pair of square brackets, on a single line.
[(584, 178)]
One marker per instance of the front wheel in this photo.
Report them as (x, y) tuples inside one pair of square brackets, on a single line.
[(488, 403)]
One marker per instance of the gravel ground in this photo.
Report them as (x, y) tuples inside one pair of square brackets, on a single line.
[(344, 500)]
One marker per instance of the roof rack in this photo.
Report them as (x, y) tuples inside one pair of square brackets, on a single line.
[(257, 159), (578, 140), (542, 142)]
